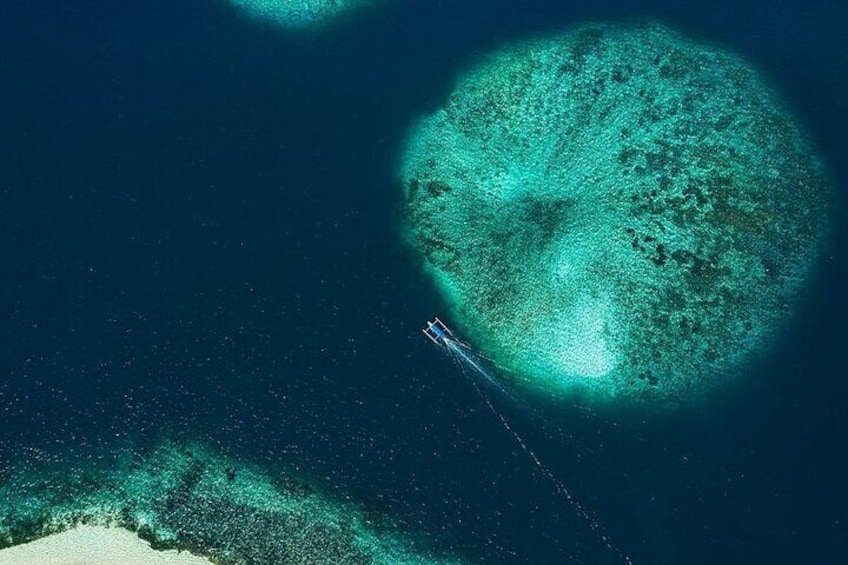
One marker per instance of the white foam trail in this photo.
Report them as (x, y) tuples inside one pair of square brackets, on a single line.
[(466, 355)]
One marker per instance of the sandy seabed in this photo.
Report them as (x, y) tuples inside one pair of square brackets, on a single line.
[(94, 545)]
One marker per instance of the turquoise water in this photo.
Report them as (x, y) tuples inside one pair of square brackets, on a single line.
[(617, 212), (183, 495)]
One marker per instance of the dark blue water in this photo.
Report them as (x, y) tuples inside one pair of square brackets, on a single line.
[(198, 233)]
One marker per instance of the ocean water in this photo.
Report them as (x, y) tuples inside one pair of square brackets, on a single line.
[(199, 236)]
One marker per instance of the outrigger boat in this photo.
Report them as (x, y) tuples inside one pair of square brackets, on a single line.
[(438, 332)]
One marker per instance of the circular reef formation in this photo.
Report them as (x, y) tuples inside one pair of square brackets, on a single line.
[(616, 212), (298, 13)]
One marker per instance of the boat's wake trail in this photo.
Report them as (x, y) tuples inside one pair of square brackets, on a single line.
[(472, 366)]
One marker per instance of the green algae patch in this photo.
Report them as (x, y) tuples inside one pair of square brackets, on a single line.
[(617, 213), (299, 14), (187, 497)]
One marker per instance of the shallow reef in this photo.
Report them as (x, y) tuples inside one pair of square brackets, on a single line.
[(298, 14), (617, 213), (185, 496)]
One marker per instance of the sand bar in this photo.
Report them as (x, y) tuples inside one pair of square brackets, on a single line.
[(94, 545)]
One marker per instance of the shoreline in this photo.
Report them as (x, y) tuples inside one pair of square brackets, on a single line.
[(95, 545)]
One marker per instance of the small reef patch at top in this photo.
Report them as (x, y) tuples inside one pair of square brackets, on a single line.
[(616, 212), (298, 14)]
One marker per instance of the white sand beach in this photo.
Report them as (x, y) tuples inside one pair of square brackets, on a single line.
[(94, 545)]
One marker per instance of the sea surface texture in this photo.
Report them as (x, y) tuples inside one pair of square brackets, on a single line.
[(224, 225)]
